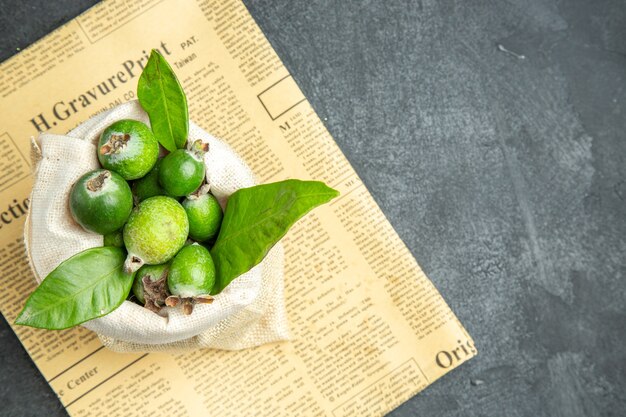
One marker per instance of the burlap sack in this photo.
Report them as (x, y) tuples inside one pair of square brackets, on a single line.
[(249, 312)]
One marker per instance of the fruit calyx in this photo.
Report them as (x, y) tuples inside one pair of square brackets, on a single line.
[(115, 144), (198, 149), (155, 292), (97, 182), (188, 302)]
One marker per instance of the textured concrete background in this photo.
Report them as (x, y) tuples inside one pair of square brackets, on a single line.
[(505, 176)]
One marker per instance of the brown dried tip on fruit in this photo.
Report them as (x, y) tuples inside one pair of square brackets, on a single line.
[(115, 144), (172, 301), (155, 292), (97, 182), (188, 302), (150, 286)]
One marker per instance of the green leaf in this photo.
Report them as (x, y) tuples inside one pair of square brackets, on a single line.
[(88, 285), (256, 218), (163, 98)]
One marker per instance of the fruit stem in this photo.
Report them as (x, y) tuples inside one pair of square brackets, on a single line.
[(132, 263), (188, 302), (187, 306), (203, 299), (203, 190), (198, 149)]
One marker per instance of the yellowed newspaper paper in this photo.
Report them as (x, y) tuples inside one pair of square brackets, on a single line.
[(369, 330)]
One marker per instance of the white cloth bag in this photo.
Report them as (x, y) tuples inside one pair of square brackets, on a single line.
[(249, 312)]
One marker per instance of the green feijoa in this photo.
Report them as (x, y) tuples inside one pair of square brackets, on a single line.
[(101, 201), (150, 286), (181, 173), (191, 278), (205, 216), (192, 272), (114, 239), (155, 231), (129, 148), (148, 185)]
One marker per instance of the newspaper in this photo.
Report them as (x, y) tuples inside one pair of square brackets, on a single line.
[(369, 330)]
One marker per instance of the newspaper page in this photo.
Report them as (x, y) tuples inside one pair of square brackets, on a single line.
[(368, 329)]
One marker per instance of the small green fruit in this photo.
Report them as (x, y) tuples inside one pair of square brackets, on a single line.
[(114, 239), (191, 277), (150, 286), (101, 201), (205, 216), (129, 148), (192, 272), (181, 173), (148, 185), (156, 230)]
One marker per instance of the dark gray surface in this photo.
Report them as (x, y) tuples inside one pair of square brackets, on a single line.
[(506, 177)]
